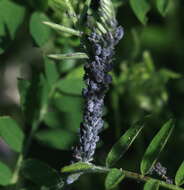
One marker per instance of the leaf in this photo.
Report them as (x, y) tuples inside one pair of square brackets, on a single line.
[(5, 174), (53, 119), (34, 104), (114, 177), (76, 55), (8, 11), (38, 30), (156, 146), (122, 145), (179, 178), (77, 167), (23, 86), (68, 104), (51, 72), (70, 108), (11, 133), (162, 6), (140, 8), (71, 86), (57, 138), (40, 173), (151, 185), (9, 26)]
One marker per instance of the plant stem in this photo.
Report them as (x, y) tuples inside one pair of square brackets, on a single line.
[(139, 177), (17, 169)]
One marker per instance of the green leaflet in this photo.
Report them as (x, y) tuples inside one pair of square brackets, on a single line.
[(34, 104), (151, 185), (77, 167), (140, 9), (5, 174), (11, 133), (38, 30), (40, 173), (77, 55), (70, 108), (156, 146), (179, 178), (162, 6), (122, 145), (61, 28), (9, 26), (71, 86), (8, 11), (114, 177), (51, 72)]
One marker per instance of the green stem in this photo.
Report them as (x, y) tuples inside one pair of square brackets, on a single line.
[(15, 175), (138, 177)]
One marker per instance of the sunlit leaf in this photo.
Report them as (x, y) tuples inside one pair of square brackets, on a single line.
[(11, 133), (156, 146), (5, 174), (77, 167), (179, 178), (122, 145), (114, 177), (140, 9), (151, 185)]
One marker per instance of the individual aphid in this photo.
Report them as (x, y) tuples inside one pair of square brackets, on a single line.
[(118, 34), (97, 49)]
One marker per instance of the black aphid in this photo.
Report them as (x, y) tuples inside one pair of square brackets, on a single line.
[(100, 49)]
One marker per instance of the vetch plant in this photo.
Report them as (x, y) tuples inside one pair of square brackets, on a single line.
[(52, 94)]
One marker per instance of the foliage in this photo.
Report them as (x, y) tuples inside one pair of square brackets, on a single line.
[(42, 130)]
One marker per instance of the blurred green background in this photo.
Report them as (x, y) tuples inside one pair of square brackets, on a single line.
[(147, 79)]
